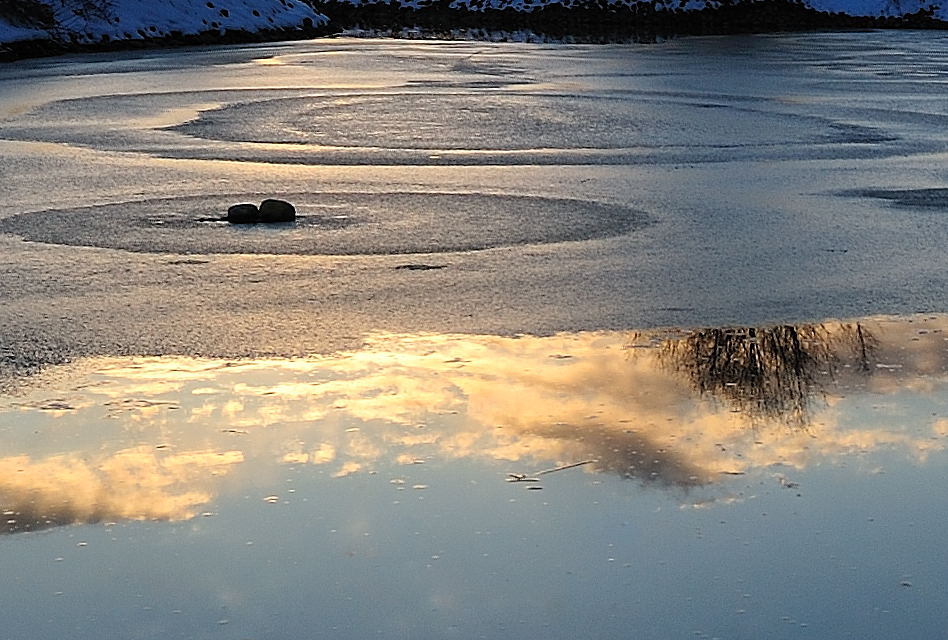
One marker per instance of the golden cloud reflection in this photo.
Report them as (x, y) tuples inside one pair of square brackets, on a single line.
[(668, 408), (135, 484)]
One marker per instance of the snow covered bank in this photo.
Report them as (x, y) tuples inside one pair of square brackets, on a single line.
[(881, 8), (67, 24), (625, 20), (853, 8), (37, 27), (11, 33)]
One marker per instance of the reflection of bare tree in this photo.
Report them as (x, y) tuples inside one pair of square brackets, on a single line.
[(626, 452), (21, 518), (865, 345), (770, 372)]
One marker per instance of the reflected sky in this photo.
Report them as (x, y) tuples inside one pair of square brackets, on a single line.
[(684, 411), (777, 481)]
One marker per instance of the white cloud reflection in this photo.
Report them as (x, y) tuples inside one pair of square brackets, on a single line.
[(138, 483), (675, 409)]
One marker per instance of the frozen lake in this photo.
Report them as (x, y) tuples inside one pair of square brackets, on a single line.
[(710, 273)]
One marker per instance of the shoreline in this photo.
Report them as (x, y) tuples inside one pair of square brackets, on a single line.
[(640, 22), (600, 24), (45, 48)]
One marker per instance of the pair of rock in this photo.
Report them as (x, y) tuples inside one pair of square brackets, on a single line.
[(270, 210)]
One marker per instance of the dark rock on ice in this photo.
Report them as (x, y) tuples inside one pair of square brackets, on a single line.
[(244, 213), (272, 210)]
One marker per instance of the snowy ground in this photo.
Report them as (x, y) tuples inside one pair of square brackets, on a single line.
[(139, 20), (136, 20), (11, 33), (848, 7), (879, 7)]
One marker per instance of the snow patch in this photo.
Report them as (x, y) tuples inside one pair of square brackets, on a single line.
[(89, 22), (891, 8), (876, 8), (11, 33), (96, 21)]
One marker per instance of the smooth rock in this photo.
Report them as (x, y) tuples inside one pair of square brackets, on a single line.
[(243, 214), (272, 210)]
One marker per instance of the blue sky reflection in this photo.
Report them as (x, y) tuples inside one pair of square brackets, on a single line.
[(364, 495), (155, 438)]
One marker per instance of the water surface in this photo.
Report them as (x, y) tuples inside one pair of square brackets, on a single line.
[(776, 481)]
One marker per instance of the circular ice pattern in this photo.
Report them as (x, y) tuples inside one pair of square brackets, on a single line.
[(330, 224), (507, 122)]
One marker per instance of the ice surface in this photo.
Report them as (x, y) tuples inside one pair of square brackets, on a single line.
[(788, 203)]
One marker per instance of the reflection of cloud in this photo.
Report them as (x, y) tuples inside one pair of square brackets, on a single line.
[(133, 484), (628, 453), (347, 469), (528, 402), (570, 397), (940, 428)]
